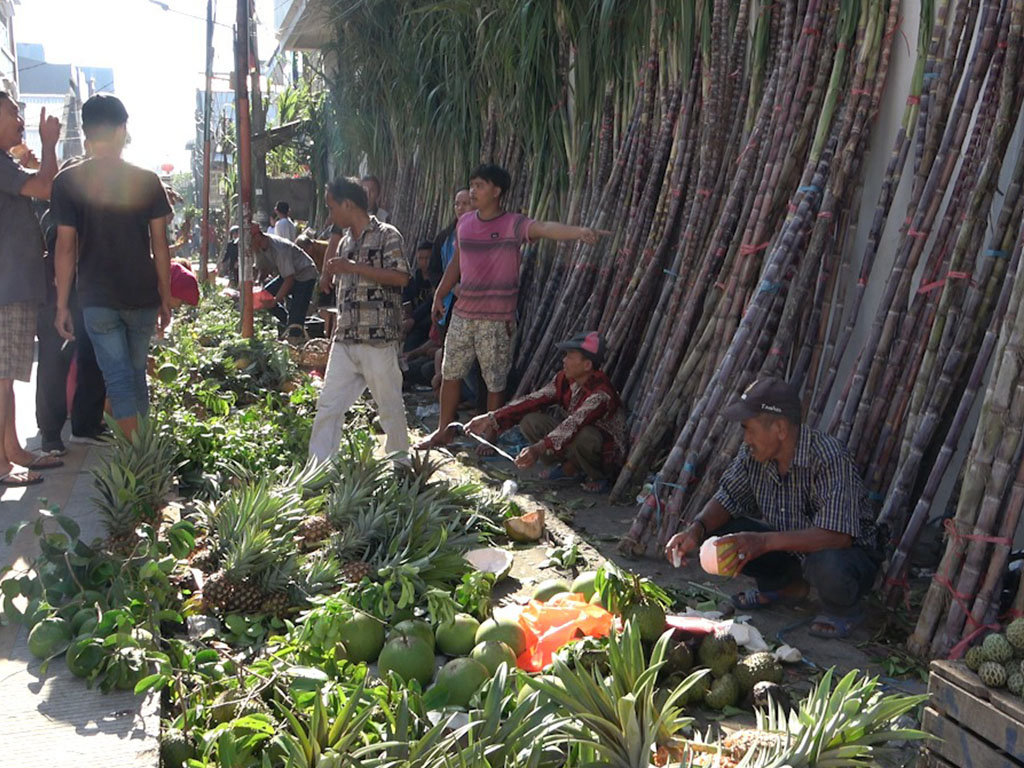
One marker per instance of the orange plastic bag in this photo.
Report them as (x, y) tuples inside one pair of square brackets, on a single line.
[(550, 626)]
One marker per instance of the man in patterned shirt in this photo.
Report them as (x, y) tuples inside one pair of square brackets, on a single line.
[(370, 272), (794, 510), (590, 440)]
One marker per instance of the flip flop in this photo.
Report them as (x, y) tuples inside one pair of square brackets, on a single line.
[(750, 599), (14, 479), (840, 626), (44, 461), (554, 474), (596, 486)]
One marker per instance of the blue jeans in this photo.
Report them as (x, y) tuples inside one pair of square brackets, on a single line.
[(121, 339)]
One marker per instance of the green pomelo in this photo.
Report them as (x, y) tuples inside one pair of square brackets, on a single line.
[(595, 599), (491, 653), (49, 637), (363, 636), (411, 658), (84, 656), (549, 588), (88, 626), (584, 584), (507, 631), (81, 616), (457, 637), (175, 748), (167, 373), (415, 628), (461, 678)]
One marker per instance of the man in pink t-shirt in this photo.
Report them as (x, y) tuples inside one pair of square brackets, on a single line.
[(488, 249)]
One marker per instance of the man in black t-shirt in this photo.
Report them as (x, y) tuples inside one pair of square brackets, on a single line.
[(110, 214)]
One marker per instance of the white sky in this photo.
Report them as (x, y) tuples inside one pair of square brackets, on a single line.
[(158, 59)]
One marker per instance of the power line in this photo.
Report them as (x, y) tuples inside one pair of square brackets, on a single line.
[(168, 8)]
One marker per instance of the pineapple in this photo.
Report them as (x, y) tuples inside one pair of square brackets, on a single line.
[(132, 485), (254, 531), (850, 722)]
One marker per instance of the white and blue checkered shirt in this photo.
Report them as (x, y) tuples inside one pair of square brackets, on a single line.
[(822, 489)]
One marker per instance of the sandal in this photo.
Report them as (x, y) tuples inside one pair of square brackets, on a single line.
[(15, 479), (554, 474), (44, 461), (835, 627), (596, 486), (756, 599)]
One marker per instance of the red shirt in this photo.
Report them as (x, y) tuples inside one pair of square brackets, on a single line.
[(594, 402)]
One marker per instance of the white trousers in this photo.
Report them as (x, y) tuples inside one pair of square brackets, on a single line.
[(352, 368)]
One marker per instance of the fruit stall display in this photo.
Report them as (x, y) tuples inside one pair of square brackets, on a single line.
[(975, 709), (289, 614)]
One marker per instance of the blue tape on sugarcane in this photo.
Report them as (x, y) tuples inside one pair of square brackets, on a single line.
[(998, 254), (808, 188), (767, 286), (876, 496), (670, 273), (930, 75)]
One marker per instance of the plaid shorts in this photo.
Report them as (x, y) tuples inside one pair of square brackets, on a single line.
[(489, 342), (17, 340)]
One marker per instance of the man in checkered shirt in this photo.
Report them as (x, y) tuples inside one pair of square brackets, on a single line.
[(794, 511)]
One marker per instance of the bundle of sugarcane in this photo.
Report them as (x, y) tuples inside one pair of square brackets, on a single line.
[(982, 530), (723, 144)]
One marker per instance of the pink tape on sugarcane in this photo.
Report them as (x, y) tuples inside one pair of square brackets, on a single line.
[(928, 287)]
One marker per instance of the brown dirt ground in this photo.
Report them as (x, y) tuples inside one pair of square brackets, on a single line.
[(598, 527)]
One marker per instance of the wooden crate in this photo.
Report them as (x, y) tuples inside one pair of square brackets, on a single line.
[(978, 727)]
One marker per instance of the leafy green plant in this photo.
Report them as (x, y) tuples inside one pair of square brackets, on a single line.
[(617, 716)]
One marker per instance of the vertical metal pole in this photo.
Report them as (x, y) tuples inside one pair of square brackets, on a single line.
[(207, 106), (259, 124), (244, 163)]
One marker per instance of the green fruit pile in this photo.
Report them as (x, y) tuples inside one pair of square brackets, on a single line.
[(999, 660)]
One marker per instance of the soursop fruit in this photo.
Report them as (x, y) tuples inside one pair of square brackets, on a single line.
[(1015, 683), (1015, 634), (997, 648), (756, 668), (718, 652), (725, 692), (695, 695), (975, 658), (993, 675)]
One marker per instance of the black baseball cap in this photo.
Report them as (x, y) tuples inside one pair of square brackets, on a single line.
[(766, 396), (590, 343)]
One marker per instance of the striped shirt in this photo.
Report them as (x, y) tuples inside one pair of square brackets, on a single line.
[(822, 489), (489, 256)]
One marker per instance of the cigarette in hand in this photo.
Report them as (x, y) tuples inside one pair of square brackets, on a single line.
[(65, 344)]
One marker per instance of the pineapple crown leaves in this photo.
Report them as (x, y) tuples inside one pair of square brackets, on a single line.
[(621, 720), (845, 726), (504, 724), (137, 473)]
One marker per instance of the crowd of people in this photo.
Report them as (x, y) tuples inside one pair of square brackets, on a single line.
[(94, 280)]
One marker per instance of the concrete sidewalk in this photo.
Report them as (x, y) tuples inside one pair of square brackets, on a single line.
[(54, 719)]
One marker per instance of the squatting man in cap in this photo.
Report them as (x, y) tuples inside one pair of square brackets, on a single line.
[(590, 440), (795, 512)]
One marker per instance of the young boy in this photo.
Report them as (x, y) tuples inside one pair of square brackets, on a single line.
[(489, 242)]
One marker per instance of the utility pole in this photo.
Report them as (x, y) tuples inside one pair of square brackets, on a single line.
[(207, 106), (244, 150), (259, 127)]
